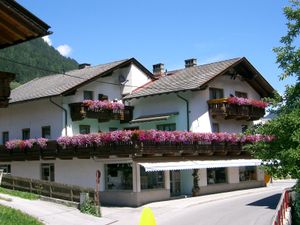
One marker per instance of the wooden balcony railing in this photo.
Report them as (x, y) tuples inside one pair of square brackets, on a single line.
[(221, 109), (5, 79), (134, 150), (79, 112)]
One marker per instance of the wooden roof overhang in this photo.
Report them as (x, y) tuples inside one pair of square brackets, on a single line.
[(17, 24)]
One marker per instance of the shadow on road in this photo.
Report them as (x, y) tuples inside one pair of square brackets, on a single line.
[(269, 202)]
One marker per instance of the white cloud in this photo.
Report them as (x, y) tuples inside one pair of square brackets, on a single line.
[(47, 40), (64, 50)]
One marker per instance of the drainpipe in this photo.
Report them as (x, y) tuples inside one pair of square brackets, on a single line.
[(187, 112), (65, 112)]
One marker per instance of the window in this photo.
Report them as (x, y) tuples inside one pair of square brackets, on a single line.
[(5, 168), (88, 95), (5, 137), (216, 93), (84, 129), (241, 94), (215, 128), (112, 129), (118, 176), (102, 97), (166, 127), (247, 173), (48, 171), (26, 134), (244, 128), (131, 128), (151, 180), (46, 132), (216, 175)]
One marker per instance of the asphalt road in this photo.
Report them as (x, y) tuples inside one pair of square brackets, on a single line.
[(253, 207)]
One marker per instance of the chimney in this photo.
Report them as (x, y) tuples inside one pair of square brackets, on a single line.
[(190, 63), (158, 70), (83, 65)]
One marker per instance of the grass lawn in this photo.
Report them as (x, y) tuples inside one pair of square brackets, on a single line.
[(9, 216), (20, 194)]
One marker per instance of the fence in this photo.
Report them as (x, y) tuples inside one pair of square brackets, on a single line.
[(282, 207), (46, 188)]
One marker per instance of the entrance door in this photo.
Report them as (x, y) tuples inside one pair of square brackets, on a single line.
[(175, 182)]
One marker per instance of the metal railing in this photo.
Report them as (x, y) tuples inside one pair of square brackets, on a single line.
[(282, 207)]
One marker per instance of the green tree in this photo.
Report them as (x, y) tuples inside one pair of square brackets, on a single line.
[(286, 126)]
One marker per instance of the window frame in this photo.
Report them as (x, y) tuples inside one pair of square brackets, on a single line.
[(4, 140), (213, 95), (126, 181), (86, 92), (43, 132), (164, 126), (25, 134), (6, 168), (212, 179), (83, 126), (152, 175), (241, 94), (51, 168), (243, 174)]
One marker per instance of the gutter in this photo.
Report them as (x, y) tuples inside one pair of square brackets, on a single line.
[(65, 112), (187, 111)]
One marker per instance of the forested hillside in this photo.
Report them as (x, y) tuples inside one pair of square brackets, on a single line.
[(35, 53)]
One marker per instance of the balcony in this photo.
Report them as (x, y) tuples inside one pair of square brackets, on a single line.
[(223, 108), (79, 111), (5, 79)]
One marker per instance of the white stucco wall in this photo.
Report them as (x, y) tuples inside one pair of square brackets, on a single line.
[(233, 175), (33, 115)]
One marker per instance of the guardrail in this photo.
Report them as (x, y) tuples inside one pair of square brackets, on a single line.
[(282, 207), (46, 188)]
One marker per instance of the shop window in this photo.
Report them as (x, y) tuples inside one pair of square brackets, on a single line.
[(247, 173), (215, 128), (47, 170), (166, 127), (216, 175), (118, 176), (131, 128), (241, 94), (216, 93), (26, 134), (5, 168), (5, 137), (46, 132), (84, 129), (88, 95), (151, 180)]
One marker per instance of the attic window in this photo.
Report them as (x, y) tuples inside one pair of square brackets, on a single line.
[(241, 94), (102, 97)]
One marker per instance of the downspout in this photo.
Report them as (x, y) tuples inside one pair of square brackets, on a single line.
[(187, 111), (65, 112)]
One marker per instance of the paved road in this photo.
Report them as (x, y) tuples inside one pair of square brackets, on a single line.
[(253, 207)]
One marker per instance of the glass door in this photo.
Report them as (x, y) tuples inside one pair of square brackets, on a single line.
[(175, 182)]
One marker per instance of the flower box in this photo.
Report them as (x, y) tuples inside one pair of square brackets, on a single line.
[(83, 152), (66, 153), (50, 152), (18, 154), (33, 153)]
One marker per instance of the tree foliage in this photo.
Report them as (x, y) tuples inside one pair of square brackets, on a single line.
[(284, 152), (32, 55)]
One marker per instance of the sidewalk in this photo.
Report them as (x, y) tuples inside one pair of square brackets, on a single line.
[(53, 214)]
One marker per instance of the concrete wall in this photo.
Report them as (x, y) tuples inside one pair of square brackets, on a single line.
[(33, 115)]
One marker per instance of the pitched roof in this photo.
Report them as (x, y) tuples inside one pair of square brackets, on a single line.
[(18, 24), (193, 78), (59, 84)]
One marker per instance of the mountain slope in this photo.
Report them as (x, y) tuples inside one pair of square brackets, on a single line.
[(35, 53)]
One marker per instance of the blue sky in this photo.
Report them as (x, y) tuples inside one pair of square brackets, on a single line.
[(167, 31)]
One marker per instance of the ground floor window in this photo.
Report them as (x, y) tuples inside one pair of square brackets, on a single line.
[(5, 168), (151, 180), (216, 175), (47, 171), (118, 176), (248, 173)]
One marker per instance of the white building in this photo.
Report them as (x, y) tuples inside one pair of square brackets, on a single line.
[(178, 100)]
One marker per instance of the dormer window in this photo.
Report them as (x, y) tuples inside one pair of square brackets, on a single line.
[(88, 95)]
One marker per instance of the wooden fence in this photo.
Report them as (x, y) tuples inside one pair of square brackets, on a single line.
[(46, 188)]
